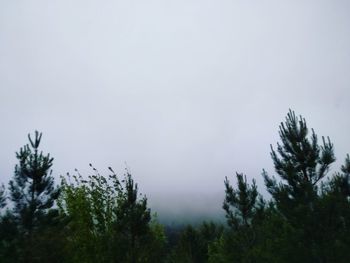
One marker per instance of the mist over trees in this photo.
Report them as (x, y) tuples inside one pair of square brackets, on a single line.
[(105, 218)]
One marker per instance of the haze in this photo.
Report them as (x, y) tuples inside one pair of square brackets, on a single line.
[(183, 93)]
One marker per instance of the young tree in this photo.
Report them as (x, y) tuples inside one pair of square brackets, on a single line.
[(32, 188), (108, 221), (240, 204), (132, 218), (89, 204), (32, 192)]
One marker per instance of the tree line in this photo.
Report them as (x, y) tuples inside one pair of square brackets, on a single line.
[(104, 218)]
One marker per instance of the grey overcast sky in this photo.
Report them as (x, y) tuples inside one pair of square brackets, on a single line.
[(185, 92)]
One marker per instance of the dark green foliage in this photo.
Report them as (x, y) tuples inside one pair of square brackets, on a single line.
[(333, 215), (47, 243), (153, 245), (301, 163), (2, 197), (104, 220), (243, 210), (32, 193), (32, 189), (188, 248), (136, 237), (132, 218), (194, 243), (308, 218), (240, 204), (8, 238), (316, 210)]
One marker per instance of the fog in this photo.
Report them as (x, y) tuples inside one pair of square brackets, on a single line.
[(183, 93)]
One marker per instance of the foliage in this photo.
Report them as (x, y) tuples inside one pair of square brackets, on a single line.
[(32, 188), (8, 238), (154, 245), (132, 219), (33, 194), (103, 219), (194, 243), (2, 197), (301, 163), (333, 217), (242, 200), (315, 207), (307, 219), (107, 221), (241, 206)]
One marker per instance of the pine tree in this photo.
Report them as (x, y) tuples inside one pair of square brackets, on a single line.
[(189, 248), (301, 163), (2, 197), (334, 216), (132, 218), (344, 178), (240, 204), (32, 192)]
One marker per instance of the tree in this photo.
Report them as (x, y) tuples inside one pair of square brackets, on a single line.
[(243, 201), (88, 205), (242, 206), (108, 221), (333, 215), (193, 243), (153, 247), (188, 248), (132, 218), (2, 197), (340, 183), (32, 192), (301, 164)]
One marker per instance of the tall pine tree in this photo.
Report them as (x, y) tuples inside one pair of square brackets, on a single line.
[(301, 163), (32, 188)]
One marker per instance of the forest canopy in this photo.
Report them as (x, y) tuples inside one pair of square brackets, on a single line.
[(105, 218)]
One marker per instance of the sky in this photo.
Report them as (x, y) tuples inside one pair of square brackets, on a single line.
[(183, 93)]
